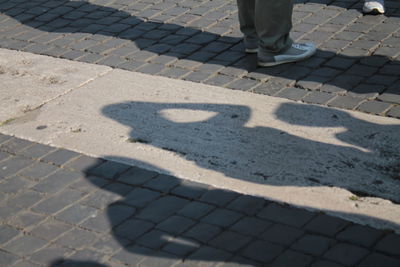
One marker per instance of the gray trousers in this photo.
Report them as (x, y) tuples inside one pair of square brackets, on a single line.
[(269, 21)]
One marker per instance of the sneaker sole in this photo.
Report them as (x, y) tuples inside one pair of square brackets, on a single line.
[(272, 64), (251, 51)]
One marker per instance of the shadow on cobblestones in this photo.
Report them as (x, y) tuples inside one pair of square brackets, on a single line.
[(88, 32)]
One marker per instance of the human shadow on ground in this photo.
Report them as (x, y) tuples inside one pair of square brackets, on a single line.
[(160, 220), (361, 157), (90, 24)]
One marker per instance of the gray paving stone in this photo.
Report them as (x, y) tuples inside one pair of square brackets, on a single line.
[(282, 234), (346, 254), (25, 245), (318, 98), (13, 165), (36, 151), (7, 233), (38, 171), (195, 210), (230, 241), (14, 184), (203, 232), (218, 197), (325, 263), (175, 73), (138, 176), (4, 138), (222, 217), (163, 183), (15, 145), (26, 199), (154, 239), (7, 211), (76, 213), (159, 259), (346, 102), (247, 204), (162, 208), (292, 93), (391, 95), (389, 244), (292, 258), (50, 229), (189, 189), (76, 239), (108, 169), (313, 244), (250, 226), (7, 259), (57, 202), (206, 256), (57, 181), (262, 251), (394, 112), (287, 215), (132, 255), (140, 197), (181, 246), (26, 219), (326, 225), (367, 91), (374, 107), (133, 228), (243, 84), (175, 224), (376, 259)]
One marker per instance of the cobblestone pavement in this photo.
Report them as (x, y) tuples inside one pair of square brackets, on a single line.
[(61, 208), (356, 66)]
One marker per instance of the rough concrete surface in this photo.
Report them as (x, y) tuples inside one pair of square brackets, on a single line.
[(305, 155), (29, 81)]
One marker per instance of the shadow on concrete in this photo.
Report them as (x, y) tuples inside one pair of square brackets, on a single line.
[(192, 43)]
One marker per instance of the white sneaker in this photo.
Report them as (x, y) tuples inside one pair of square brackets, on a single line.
[(374, 7), (295, 53)]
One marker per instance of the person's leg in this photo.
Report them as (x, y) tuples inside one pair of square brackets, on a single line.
[(247, 24), (273, 22)]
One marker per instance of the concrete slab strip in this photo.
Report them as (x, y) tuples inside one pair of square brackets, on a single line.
[(304, 155)]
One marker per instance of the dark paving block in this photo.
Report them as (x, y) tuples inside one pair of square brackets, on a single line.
[(163, 183), (38, 171), (346, 102), (137, 176), (27, 219), (262, 251), (189, 189), (7, 259), (326, 225), (162, 208), (292, 258), (392, 95), (324, 263), (367, 91), (76, 213), (108, 170), (394, 112), (36, 151), (247, 204), (218, 197), (57, 202), (222, 217), (160, 259), (360, 235), (154, 239), (181, 246), (389, 244), (140, 197), (13, 165), (90, 184), (230, 241), (133, 255), (15, 145), (7, 233), (376, 259), (108, 245), (14, 184), (76, 239), (25, 245), (176, 225), (26, 199), (346, 254), (282, 234), (133, 228), (250, 226), (50, 229), (206, 256), (195, 210), (203, 232), (313, 244), (4, 138), (57, 181), (287, 215)]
